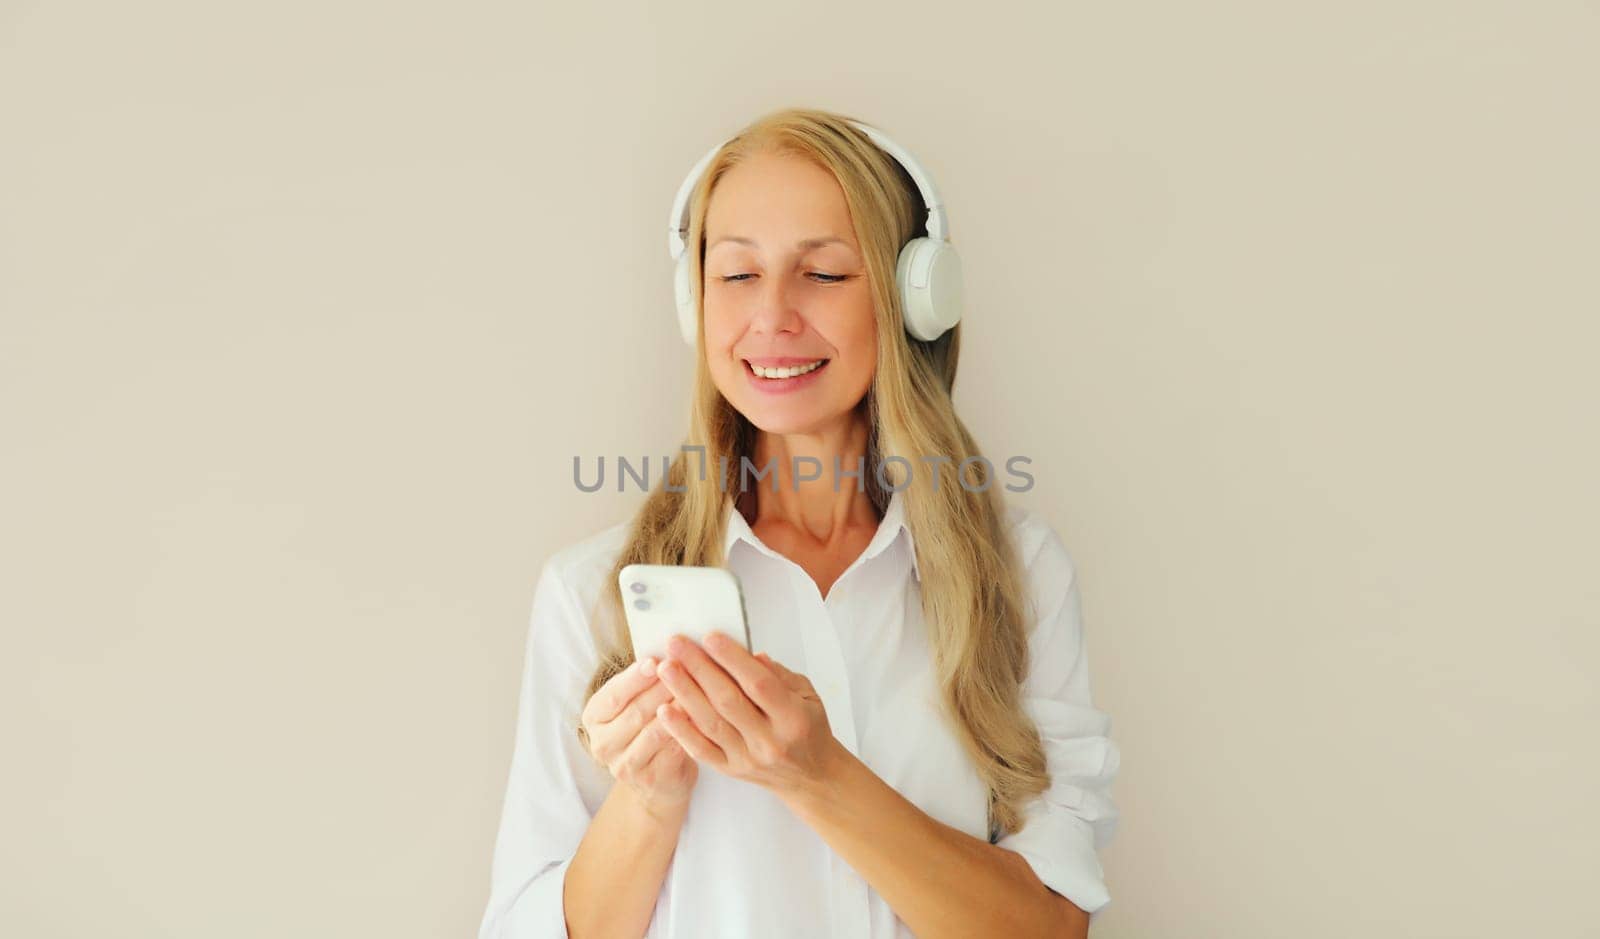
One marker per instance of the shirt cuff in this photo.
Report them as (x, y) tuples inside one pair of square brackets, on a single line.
[(538, 912), (1065, 827), (1059, 846)]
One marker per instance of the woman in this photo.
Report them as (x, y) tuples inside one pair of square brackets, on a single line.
[(914, 750)]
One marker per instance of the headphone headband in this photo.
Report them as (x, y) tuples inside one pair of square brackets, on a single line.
[(937, 223)]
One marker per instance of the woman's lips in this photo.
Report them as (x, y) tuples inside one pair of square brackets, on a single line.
[(783, 385), (783, 361)]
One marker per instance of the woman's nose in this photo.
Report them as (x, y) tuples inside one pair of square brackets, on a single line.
[(775, 311)]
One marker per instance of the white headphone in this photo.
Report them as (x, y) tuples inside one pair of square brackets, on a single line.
[(928, 273)]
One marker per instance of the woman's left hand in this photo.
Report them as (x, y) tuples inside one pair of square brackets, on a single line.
[(746, 715)]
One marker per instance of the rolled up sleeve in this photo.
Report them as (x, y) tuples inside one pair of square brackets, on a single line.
[(1066, 826), (544, 815)]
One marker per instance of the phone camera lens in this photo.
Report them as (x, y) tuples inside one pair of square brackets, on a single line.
[(641, 604), (636, 588)]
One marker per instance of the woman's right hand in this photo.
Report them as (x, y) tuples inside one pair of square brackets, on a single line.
[(629, 739)]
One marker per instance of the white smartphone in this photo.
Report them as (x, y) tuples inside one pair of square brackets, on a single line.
[(662, 600)]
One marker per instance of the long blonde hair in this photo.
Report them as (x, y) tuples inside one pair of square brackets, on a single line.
[(975, 606)]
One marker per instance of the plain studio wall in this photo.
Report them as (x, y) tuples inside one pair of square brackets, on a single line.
[(306, 309)]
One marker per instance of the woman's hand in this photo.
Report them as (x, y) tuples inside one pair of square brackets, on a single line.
[(625, 734), (746, 715)]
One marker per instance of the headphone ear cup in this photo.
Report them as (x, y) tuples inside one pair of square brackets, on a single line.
[(683, 295), (931, 287)]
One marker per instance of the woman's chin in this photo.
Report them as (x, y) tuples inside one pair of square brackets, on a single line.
[(781, 420)]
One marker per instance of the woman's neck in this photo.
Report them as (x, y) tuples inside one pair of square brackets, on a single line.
[(813, 495)]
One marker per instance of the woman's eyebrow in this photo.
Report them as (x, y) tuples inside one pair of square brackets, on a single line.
[(804, 245)]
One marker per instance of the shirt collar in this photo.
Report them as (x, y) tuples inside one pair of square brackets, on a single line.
[(893, 522)]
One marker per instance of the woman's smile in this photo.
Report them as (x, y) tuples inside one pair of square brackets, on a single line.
[(780, 375)]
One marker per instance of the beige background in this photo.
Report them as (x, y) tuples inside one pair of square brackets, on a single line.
[(307, 308)]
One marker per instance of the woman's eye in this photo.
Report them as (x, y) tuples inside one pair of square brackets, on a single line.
[(821, 277)]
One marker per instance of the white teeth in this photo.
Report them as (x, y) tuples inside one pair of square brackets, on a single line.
[(788, 371)]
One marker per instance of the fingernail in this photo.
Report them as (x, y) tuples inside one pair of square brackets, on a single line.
[(647, 665)]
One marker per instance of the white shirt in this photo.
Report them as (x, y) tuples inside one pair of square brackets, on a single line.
[(744, 865)]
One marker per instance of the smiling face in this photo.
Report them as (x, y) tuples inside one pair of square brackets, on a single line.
[(786, 288)]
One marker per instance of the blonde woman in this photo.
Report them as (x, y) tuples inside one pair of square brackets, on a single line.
[(913, 750)]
